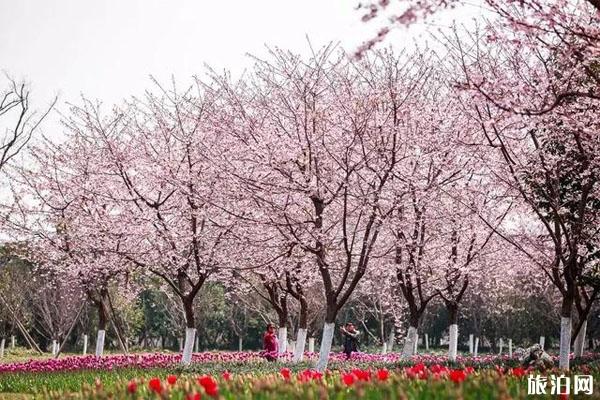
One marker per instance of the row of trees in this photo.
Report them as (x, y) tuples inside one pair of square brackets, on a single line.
[(154, 319), (411, 178)]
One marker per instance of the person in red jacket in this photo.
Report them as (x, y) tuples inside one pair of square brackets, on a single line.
[(270, 343)]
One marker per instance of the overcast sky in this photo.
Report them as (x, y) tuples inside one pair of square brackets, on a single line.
[(106, 49)]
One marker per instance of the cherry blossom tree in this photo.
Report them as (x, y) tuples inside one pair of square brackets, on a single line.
[(321, 142), (157, 163), (53, 211)]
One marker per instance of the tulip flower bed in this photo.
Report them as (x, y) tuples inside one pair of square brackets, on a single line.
[(416, 382), (246, 375), (200, 360)]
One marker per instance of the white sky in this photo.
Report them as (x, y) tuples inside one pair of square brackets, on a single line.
[(106, 49)]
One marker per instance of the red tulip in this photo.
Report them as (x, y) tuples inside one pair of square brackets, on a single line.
[(226, 376), (417, 368), (171, 379), (383, 374), (348, 379), (209, 385), (195, 396), (131, 387), (362, 375), (285, 373), (437, 368), (457, 375), (155, 385), (518, 372)]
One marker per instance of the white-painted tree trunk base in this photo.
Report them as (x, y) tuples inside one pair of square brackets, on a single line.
[(471, 344), (391, 340), (542, 341), (300, 344), (416, 345), (476, 347), (326, 342), (410, 342), (510, 347), (85, 344), (2, 343), (13, 342), (196, 344), (240, 343), (188, 346), (501, 346), (100, 342), (311, 345), (565, 343), (453, 344), (384, 348), (579, 345), (282, 339), (426, 342), (54, 348)]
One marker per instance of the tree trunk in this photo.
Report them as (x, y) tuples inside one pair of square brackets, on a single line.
[(190, 331), (453, 331), (326, 342), (240, 343), (300, 344), (580, 340), (391, 339), (102, 320), (302, 330), (565, 331), (282, 338), (410, 342)]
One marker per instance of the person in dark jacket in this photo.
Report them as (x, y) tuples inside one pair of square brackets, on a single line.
[(350, 335), (270, 343)]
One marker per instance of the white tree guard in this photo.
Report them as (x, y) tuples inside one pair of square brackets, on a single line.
[(453, 344), (2, 343), (100, 342), (510, 347), (580, 340), (326, 342), (410, 342), (476, 348), (311, 345), (300, 344), (282, 339), (565, 342), (471, 344), (188, 346), (85, 344)]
